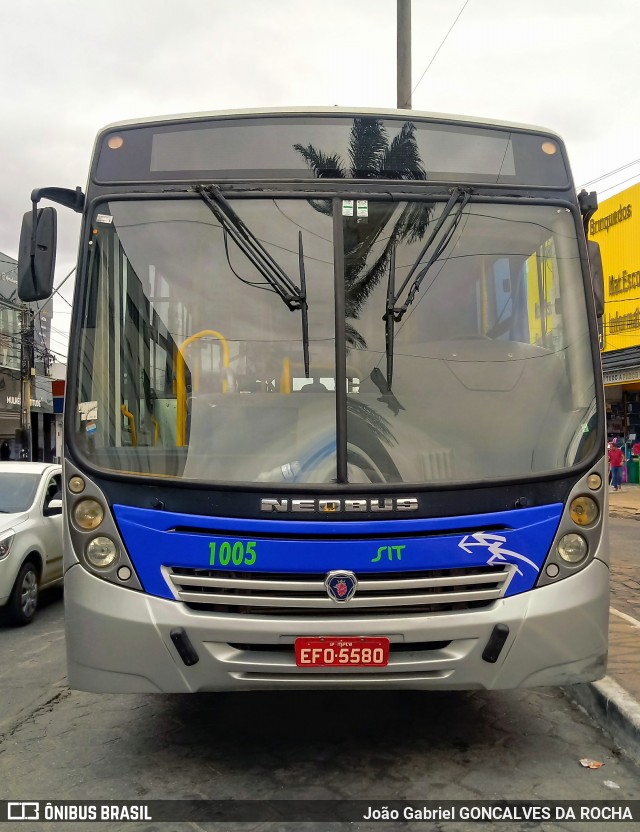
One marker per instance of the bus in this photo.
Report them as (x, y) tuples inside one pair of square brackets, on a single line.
[(334, 413)]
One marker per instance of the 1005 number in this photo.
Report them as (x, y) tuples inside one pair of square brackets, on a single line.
[(237, 553)]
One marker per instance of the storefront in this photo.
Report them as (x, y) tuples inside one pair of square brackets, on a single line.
[(616, 228), (9, 414), (43, 438), (43, 432), (14, 339)]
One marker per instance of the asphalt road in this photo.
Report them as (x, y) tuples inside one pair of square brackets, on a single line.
[(57, 743), (624, 542), (33, 662)]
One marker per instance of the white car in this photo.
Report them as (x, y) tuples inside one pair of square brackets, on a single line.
[(30, 535)]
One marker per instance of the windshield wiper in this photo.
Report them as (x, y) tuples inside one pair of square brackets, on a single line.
[(395, 313), (304, 306), (294, 297)]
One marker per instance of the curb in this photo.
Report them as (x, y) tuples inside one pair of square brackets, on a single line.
[(628, 513), (616, 712)]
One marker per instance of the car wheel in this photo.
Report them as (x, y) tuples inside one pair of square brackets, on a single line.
[(24, 598)]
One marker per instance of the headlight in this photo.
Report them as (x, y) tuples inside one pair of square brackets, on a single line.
[(584, 511), (6, 539), (572, 548), (88, 514), (101, 552)]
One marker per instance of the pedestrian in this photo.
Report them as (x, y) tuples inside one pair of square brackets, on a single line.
[(616, 461)]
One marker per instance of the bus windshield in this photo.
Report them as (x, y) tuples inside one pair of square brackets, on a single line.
[(191, 366)]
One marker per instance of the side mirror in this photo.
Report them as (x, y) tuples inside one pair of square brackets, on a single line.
[(597, 276), (37, 254), (53, 507)]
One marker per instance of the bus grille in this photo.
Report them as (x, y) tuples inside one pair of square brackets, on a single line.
[(251, 593)]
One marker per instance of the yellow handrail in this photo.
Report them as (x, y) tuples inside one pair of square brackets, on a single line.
[(132, 424), (181, 387), (285, 378), (156, 430)]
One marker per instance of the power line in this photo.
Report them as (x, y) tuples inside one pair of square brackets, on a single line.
[(440, 47), (610, 173), (59, 341), (604, 190), (60, 354), (57, 331), (55, 291)]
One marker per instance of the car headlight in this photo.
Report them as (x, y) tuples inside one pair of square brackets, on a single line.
[(6, 539)]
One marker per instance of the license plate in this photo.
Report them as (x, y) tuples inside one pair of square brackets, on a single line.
[(332, 651)]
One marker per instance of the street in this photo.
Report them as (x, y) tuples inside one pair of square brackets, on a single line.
[(57, 743), (624, 537)]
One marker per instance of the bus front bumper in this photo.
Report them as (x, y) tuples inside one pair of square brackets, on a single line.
[(118, 641)]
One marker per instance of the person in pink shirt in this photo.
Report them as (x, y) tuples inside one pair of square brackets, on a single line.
[(616, 461)]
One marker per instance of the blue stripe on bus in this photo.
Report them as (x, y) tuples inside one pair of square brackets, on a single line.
[(522, 538)]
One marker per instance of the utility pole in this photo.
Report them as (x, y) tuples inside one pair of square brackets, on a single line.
[(404, 54), (26, 364)]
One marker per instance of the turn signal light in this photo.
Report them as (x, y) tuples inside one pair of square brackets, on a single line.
[(594, 481), (76, 485), (584, 511)]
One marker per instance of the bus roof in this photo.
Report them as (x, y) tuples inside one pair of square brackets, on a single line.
[(216, 145)]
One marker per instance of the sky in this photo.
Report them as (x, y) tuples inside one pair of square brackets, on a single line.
[(69, 67)]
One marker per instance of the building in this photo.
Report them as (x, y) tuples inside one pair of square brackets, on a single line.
[(25, 337), (58, 374), (616, 228)]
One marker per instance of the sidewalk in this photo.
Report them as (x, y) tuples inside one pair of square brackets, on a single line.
[(614, 702), (625, 503)]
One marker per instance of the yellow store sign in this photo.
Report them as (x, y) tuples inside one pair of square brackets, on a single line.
[(616, 228)]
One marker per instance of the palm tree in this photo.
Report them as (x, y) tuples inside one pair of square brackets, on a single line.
[(372, 156)]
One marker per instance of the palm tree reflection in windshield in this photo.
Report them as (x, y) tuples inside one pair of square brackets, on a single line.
[(372, 156)]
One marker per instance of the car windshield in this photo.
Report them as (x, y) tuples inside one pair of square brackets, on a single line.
[(17, 491), (191, 366)]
